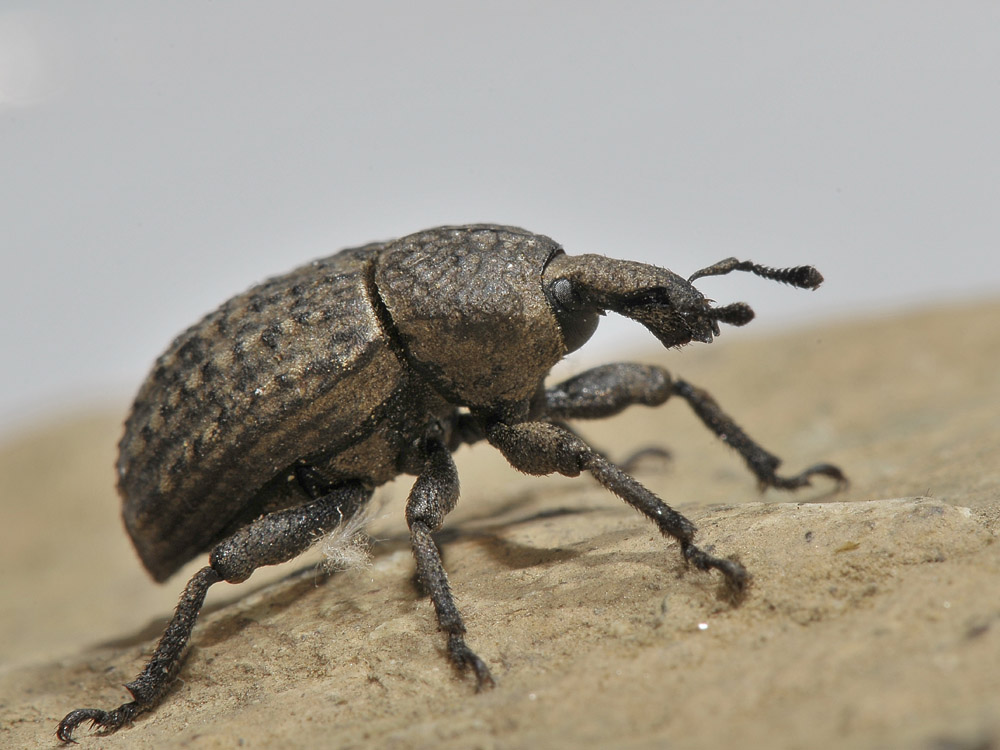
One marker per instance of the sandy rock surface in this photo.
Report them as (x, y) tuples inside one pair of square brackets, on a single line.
[(873, 620)]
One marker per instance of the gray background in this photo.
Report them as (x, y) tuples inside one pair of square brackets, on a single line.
[(157, 158)]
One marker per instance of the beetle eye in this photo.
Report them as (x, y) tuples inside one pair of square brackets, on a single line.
[(562, 293), (576, 319)]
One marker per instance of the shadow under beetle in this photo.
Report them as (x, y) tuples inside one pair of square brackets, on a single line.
[(271, 421)]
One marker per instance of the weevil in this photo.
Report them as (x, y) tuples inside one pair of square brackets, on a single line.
[(270, 422)]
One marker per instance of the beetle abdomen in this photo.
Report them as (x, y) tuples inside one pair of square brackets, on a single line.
[(281, 370)]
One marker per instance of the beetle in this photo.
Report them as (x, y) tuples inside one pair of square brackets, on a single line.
[(271, 421)]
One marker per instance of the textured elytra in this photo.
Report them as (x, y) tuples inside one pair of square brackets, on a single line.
[(210, 425)]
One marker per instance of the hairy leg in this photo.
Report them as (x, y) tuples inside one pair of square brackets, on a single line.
[(610, 389), (269, 540), (607, 390), (433, 496), (762, 463), (543, 448)]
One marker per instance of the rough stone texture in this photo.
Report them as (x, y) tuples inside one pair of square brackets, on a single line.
[(873, 621)]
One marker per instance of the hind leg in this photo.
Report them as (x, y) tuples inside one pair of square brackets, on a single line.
[(271, 539)]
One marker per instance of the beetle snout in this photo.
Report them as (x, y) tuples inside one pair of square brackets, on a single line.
[(700, 324)]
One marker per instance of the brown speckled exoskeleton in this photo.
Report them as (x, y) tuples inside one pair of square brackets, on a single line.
[(272, 420)]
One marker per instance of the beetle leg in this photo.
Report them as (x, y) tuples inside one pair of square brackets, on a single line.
[(434, 494), (608, 390), (760, 462), (604, 391), (152, 683), (269, 540), (543, 448)]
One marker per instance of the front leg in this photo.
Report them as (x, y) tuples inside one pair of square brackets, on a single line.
[(607, 390), (433, 496), (610, 389), (593, 394), (543, 448), (763, 464)]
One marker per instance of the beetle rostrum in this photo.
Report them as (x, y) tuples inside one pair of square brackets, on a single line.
[(272, 420)]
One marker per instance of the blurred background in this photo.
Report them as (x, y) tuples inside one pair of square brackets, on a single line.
[(156, 159)]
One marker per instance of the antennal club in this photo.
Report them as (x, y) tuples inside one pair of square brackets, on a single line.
[(804, 277), (736, 314)]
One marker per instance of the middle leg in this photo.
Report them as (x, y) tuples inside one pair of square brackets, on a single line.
[(544, 448), (433, 496)]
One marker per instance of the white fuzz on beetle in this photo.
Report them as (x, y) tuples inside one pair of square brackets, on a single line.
[(348, 546)]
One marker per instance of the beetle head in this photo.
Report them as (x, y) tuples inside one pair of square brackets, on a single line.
[(581, 288)]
